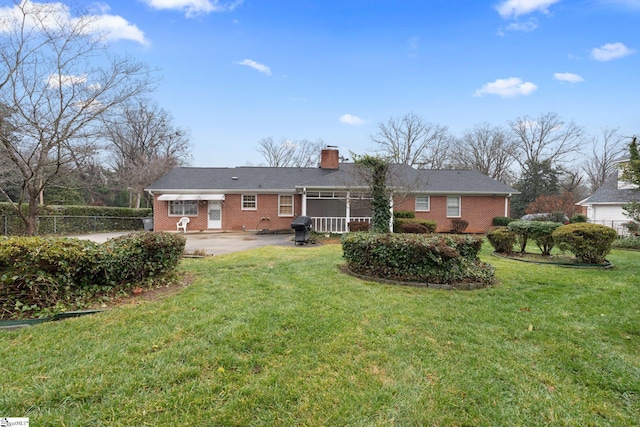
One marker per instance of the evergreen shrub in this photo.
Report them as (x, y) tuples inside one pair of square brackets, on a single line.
[(501, 221), (417, 258), (502, 239), (539, 231), (429, 224), (590, 243), (404, 214), (43, 275)]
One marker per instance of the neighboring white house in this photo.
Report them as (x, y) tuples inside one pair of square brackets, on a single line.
[(605, 205)]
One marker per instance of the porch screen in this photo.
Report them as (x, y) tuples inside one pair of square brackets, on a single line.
[(326, 208)]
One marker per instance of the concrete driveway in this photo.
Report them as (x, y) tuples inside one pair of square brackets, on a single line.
[(214, 243)]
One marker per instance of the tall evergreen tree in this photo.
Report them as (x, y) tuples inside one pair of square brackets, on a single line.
[(539, 178)]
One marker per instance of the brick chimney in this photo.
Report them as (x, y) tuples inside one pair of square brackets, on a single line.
[(329, 158)]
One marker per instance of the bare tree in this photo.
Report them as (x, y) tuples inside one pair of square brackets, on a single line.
[(486, 149), (290, 153), (545, 138), (411, 141), (144, 145), (604, 153), (57, 80)]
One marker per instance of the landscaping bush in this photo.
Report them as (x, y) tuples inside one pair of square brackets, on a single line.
[(430, 225), (632, 227), (412, 227), (539, 231), (142, 254), (590, 243), (501, 221), (522, 229), (502, 239), (416, 258), (576, 218), (404, 214), (43, 275), (542, 234), (631, 242), (359, 226), (458, 225)]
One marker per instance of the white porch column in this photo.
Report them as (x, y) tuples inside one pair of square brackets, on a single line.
[(348, 212), (304, 201)]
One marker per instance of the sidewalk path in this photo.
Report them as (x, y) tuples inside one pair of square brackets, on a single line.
[(213, 243)]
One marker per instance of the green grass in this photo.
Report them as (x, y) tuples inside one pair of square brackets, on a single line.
[(278, 336)]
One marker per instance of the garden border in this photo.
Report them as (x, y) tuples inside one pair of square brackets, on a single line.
[(558, 264)]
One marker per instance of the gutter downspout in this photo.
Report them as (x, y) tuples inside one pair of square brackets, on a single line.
[(506, 205)]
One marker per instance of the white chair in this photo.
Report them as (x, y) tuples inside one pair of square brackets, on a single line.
[(183, 223)]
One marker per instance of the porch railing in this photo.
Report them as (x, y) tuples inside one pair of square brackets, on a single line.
[(334, 224)]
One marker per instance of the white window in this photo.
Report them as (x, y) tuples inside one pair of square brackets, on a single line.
[(453, 206), (422, 204), (249, 202), (285, 205), (183, 208)]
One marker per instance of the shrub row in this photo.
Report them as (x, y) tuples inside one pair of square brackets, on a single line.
[(416, 258), (74, 219), (590, 243), (401, 225), (43, 275)]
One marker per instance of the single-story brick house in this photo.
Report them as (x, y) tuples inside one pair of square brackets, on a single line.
[(259, 198)]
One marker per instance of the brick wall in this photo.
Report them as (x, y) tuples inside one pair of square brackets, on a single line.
[(233, 217), (479, 211)]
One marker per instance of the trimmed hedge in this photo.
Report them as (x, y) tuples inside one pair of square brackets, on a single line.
[(398, 223), (578, 218), (74, 219), (501, 221), (404, 214), (458, 225), (590, 243), (502, 239), (417, 258), (412, 227), (44, 275), (359, 226), (539, 231)]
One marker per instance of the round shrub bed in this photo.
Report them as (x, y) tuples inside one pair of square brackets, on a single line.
[(417, 259)]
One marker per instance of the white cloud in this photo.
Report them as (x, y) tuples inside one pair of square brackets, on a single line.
[(610, 51), (507, 88), (526, 27), (568, 77), (515, 8), (193, 8), (350, 119), (256, 66), (42, 16), (56, 80)]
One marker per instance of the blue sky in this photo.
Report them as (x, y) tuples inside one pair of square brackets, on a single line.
[(234, 72)]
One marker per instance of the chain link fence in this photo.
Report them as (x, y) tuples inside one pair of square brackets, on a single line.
[(13, 225)]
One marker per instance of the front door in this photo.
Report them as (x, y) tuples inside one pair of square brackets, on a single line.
[(215, 214)]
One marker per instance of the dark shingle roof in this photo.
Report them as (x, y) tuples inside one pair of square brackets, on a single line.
[(265, 179), (610, 193)]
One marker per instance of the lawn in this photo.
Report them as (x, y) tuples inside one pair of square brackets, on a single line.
[(278, 336)]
